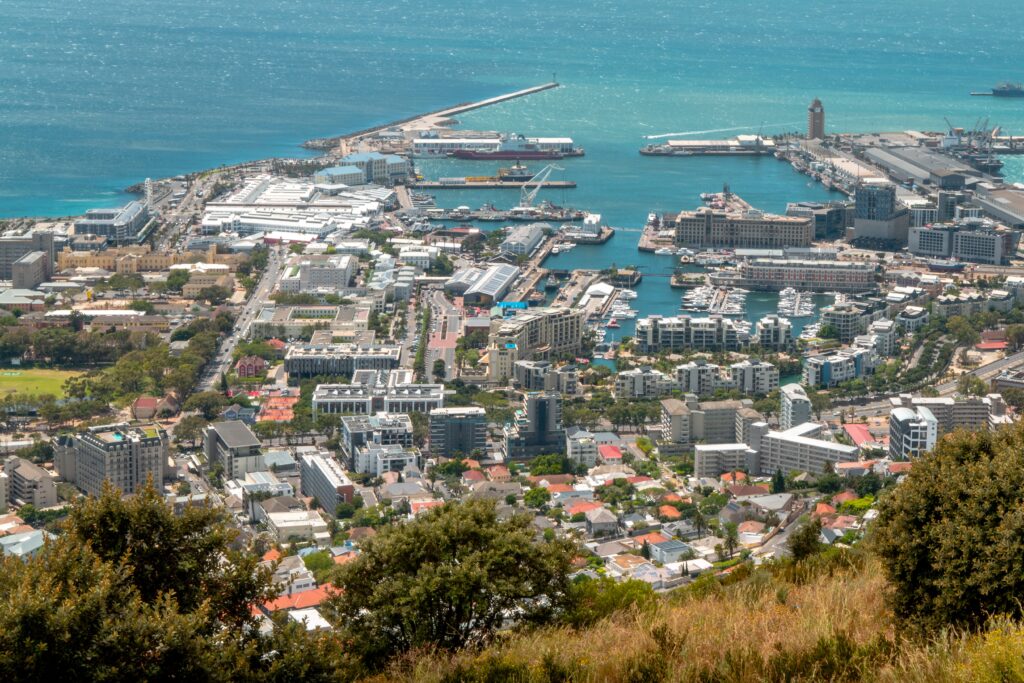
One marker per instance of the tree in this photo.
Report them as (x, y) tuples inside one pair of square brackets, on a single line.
[(207, 403), (778, 482), (214, 295), (950, 536), (971, 385), (440, 369), (806, 540), (552, 463), (595, 599), (537, 497), (177, 279), (448, 579), (732, 538), (190, 429)]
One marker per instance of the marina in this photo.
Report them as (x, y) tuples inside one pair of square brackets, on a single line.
[(794, 304)]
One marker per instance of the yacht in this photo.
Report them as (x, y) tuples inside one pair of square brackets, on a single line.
[(628, 294), (664, 251)]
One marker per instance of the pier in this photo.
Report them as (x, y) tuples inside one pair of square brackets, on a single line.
[(492, 185)]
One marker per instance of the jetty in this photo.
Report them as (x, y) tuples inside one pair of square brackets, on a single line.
[(447, 184)]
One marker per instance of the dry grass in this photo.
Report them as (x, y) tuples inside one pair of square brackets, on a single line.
[(833, 626)]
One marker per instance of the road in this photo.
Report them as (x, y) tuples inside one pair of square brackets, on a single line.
[(222, 361), (446, 324)]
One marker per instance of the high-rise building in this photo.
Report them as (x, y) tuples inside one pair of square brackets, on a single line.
[(795, 407), (815, 120), (125, 456), (13, 247), (457, 430), (28, 483), (234, 447), (536, 429), (322, 478), (877, 213), (912, 433)]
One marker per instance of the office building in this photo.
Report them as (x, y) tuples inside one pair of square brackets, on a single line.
[(794, 406), (877, 213), (322, 478), (797, 450), (830, 219), (974, 240), (834, 367), (536, 428), (521, 240), (383, 169), (340, 175), (376, 459), (340, 360), (31, 270), (375, 391), (13, 247), (716, 333), (120, 226), (125, 456), (712, 460), (234, 447), (318, 275), (458, 430), (815, 120), (383, 429), (912, 433), (28, 484)]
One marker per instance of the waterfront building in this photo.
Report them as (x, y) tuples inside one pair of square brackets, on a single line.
[(382, 429), (340, 175), (878, 214), (716, 333), (536, 429), (384, 169), (794, 406), (521, 240), (912, 433), (481, 287), (458, 430), (848, 319), (712, 460), (814, 275), (815, 120), (975, 240), (740, 226), (234, 447), (797, 450), (685, 422), (885, 336), (774, 332), (322, 478), (341, 360), (122, 455), (830, 219), (964, 303), (120, 226), (757, 377), (834, 367)]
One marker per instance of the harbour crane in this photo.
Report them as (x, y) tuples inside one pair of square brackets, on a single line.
[(526, 195)]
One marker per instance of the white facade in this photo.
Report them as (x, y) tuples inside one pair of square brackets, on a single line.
[(754, 377), (795, 450), (795, 408), (912, 433)]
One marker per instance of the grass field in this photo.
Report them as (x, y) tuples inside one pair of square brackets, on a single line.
[(13, 381)]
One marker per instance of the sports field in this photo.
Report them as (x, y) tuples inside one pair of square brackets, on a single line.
[(13, 381)]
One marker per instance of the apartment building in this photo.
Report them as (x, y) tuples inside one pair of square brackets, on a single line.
[(711, 228), (797, 450), (28, 484), (774, 332), (344, 359), (120, 454), (458, 430), (712, 460), (755, 377), (770, 274), (657, 333), (536, 429), (233, 446), (834, 367), (382, 429), (912, 433), (322, 478), (376, 459), (795, 407), (375, 391), (642, 382), (540, 332)]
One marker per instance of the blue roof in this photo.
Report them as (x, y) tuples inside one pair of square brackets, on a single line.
[(363, 156), (340, 170)]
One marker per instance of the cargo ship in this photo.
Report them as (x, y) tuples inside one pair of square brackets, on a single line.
[(1003, 90), (519, 147)]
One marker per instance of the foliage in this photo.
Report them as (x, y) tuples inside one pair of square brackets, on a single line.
[(806, 541), (208, 403), (447, 580), (177, 279), (536, 497), (778, 482), (595, 599), (950, 536), (971, 385), (553, 463)]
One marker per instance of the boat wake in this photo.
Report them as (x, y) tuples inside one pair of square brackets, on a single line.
[(716, 130)]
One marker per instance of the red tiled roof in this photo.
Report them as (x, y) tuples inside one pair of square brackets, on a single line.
[(640, 478), (652, 538), (672, 498), (582, 506), (844, 497), (751, 526), (669, 512), (822, 509), (866, 464), (421, 505), (559, 488), (733, 476), (345, 558), (991, 346), (473, 475), (900, 467), (609, 452), (271, 555), (551, 479), (859, 433), (301, 600)]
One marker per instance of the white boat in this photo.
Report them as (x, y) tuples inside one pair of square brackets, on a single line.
[(627, 294), (664, 251)]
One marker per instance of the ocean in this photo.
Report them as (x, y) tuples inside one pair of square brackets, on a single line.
[(95, 96)]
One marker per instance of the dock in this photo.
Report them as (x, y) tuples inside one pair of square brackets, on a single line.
[(492, 185)]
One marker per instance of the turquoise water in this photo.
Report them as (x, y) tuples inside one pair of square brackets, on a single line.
[(98, 95)]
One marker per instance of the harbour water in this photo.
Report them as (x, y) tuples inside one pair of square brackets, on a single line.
[(96, 96)]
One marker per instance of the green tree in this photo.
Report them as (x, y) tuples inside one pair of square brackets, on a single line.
[(190, 429), (778, 482), (552, 463), (806, 540), (537, 497), (595, 599), (732, 538), (448, 579), (971, 385), (177, 279), (207, 403), (214, 295), (950, 536)]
